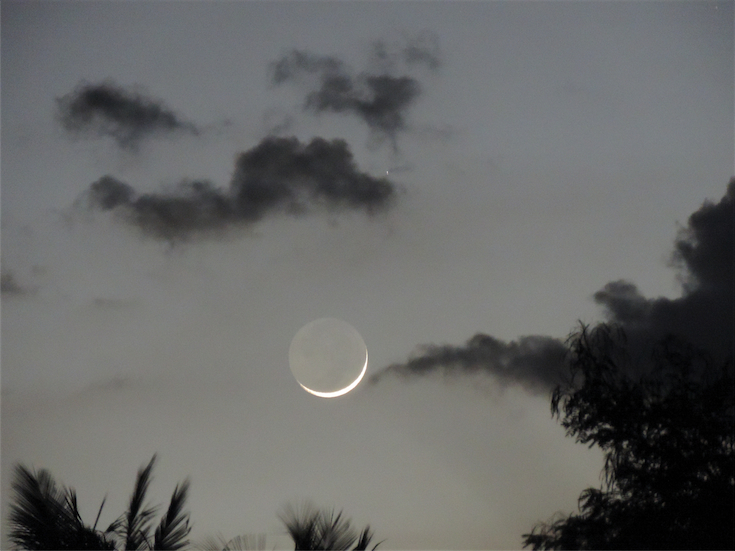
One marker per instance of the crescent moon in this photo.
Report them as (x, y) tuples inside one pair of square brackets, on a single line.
[(345, 390)]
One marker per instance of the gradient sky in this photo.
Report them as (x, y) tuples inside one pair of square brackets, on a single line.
[(539, 152)]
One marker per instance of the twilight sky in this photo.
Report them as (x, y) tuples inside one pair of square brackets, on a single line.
[(186, 184)]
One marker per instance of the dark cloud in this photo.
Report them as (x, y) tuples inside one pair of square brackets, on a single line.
[(704, 315), (107, 109), (380, 99), (534, 362), (704, 252), (298, 62), (9, 285), (705, 247), (279, 175), (423, 49)]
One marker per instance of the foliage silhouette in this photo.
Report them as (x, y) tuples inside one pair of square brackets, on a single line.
[(174, 526), (321, 530), (243, 542), (667, 431), (45, 515)]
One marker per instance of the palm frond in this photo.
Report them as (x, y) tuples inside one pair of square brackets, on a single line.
[(301, 525), (70, 502), (210, 543), (116, 526), (244, 542), (366, 536), (45, 515), (174, 527), (80, 536), (135, 524), (99, 512), (37, 513), (321, 530), (334, 531)]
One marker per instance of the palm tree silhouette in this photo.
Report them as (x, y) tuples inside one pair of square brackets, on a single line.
[(244, 542), (134, 526), (323, 530), (44, 515)]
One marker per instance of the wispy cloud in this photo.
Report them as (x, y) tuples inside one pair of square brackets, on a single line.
[(420, 49), (108, 109), (9, 285), (279, 175), (379, 98), (423, 49)]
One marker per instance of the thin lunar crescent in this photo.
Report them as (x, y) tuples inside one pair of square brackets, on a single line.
[(344, 390), (328, 357)]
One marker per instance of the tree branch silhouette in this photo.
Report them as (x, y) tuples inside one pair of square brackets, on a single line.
[(668, 439)]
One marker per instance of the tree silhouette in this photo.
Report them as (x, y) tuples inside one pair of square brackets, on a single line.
[(45, 515), (321, 530), (667, 431), (243, 542)]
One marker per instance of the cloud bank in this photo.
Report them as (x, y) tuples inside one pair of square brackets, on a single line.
[(380, 99), (535, 362), (704, 252), (107, 109), (279, 175)]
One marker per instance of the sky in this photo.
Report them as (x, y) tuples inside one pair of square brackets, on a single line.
[(186, 184)]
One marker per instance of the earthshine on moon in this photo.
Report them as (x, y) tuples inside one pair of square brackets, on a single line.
[(328, 357)]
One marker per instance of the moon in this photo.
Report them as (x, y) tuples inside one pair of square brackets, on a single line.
[(328, 357)]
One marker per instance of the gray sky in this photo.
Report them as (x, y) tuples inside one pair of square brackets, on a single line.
[(539, 151)]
